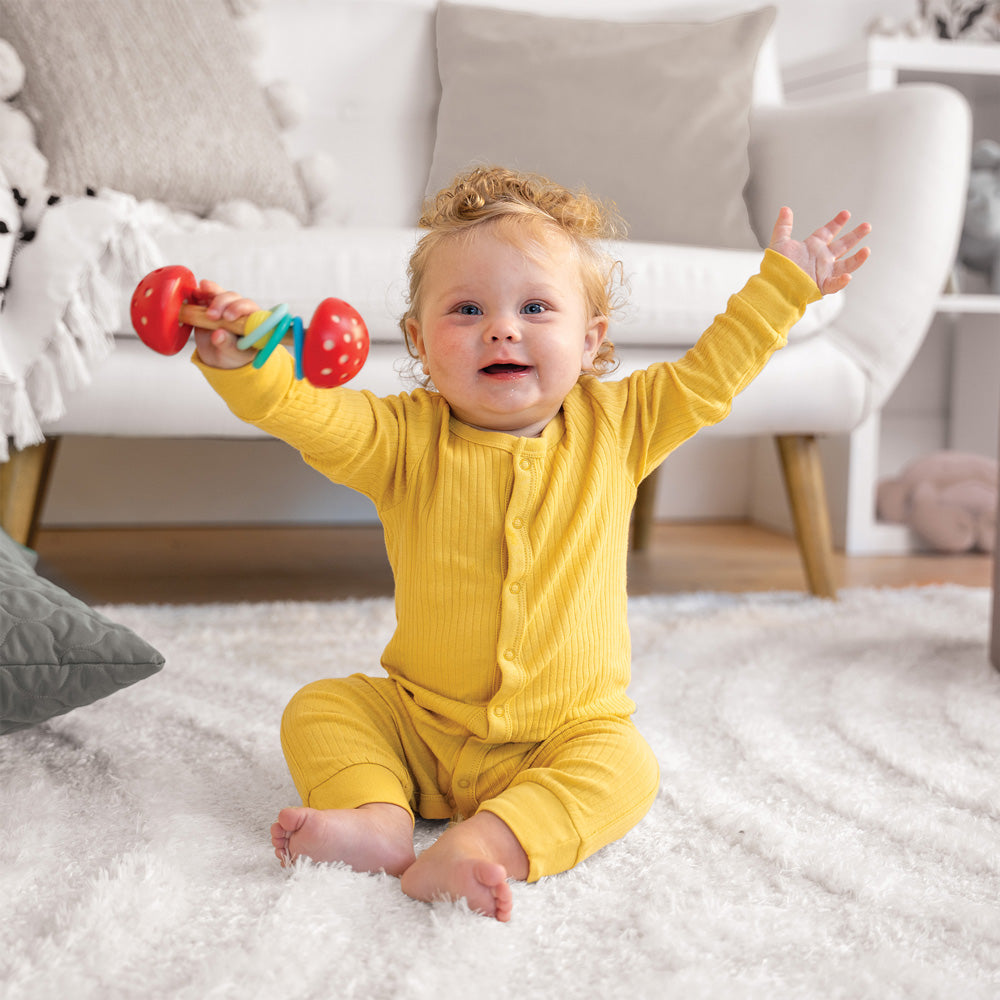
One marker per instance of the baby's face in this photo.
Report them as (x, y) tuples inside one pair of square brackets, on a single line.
[(504, 333)]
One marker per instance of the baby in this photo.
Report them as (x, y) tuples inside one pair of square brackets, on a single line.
[(505, 488)]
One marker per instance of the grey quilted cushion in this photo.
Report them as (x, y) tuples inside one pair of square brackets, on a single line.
[(56, 653)]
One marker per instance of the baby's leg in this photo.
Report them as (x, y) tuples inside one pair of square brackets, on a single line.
[(353, 767), (472, 861), (371, 838), (584, 787)]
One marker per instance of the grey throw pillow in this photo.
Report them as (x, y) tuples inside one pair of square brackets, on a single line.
[(651, 116)]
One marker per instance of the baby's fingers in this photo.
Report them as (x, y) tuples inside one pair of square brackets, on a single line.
[(230, 305), (826, 234), (839, 247), (222, 304), (849, 264), (782, 226), (840, 277)]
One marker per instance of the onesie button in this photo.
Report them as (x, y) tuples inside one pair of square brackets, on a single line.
[(463, 782), (515, 588), (517, 523), (525, 464), (498, 711), (508, 654)]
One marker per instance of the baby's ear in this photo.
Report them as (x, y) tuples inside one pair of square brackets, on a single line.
[(597, 332), (413, 335)]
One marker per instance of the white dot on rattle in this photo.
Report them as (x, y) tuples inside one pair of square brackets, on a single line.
[(343, 359), (326, 371), (328, 344)]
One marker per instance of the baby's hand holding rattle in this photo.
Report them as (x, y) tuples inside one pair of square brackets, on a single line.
[(168, 304), (219, 348)]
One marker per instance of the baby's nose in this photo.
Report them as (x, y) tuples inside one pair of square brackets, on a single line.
[(504, 328)]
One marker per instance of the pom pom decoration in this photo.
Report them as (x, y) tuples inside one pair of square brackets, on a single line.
[(12, 71), (165, 308)]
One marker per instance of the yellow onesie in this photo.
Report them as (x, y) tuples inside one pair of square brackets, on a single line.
[(509, 667)]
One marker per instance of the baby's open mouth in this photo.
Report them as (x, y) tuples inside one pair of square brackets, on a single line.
[(504, 369)]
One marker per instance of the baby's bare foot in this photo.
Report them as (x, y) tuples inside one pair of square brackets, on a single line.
[(470, 861), (482, 884), (372, 838)]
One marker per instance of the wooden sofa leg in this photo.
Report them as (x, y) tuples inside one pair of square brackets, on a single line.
[(24, 479), (642, 514), (800, 465)]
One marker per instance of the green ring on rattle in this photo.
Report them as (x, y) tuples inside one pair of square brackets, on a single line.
[(278, 313)]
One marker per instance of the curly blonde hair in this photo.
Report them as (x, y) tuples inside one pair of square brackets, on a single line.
[(527, 207)]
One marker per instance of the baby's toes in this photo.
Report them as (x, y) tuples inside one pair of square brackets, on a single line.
[(279, 839)]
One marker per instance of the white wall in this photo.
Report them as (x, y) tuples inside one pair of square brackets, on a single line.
[(120, 482), (805, 28)]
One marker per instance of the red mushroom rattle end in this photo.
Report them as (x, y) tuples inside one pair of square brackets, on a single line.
[(165, 307)]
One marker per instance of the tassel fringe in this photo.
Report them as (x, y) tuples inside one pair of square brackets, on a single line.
[(80, 339)]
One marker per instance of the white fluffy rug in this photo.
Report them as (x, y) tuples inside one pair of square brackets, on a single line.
[(828, 824)]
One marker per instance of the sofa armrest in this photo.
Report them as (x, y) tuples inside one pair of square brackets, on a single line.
[(898, 159)]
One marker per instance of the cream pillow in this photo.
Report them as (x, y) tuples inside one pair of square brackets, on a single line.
[(150, 97), (652, 116)]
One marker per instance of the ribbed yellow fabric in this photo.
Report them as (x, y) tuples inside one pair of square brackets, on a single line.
[(509, 553)]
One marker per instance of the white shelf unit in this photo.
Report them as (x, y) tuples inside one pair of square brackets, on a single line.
[(968, 324), (881, 62), (955, 304)]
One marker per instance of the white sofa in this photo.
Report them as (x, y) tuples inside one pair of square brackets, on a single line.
[(369, 75)]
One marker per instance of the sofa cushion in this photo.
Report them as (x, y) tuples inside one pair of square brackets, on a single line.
[(56, 653), (652, 116), (191, 127), (674, 291)]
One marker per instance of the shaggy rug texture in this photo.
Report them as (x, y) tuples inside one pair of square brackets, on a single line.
[(828, 824)]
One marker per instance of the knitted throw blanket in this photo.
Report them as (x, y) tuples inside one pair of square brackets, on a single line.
[(64, 302)]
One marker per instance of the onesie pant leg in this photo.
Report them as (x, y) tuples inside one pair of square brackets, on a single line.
[(348, 742), (584, 788)]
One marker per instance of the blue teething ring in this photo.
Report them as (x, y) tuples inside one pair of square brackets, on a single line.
[(299, 343)]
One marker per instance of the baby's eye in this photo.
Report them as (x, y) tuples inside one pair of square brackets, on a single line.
[(468, 309), (534, 308)]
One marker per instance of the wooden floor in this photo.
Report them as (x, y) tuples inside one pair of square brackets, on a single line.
[(199, 565)]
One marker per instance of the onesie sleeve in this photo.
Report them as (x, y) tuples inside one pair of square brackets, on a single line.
[(352, 437), (670, 402)]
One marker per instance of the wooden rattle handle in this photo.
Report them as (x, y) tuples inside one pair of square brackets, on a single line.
[(192, 315)]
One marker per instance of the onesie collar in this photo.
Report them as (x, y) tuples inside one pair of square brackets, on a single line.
[(551, 435)]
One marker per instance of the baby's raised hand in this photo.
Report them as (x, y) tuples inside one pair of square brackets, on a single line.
[(822, 255), (217, 348)]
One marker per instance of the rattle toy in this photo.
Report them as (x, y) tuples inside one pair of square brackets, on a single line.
[(166, 305)]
